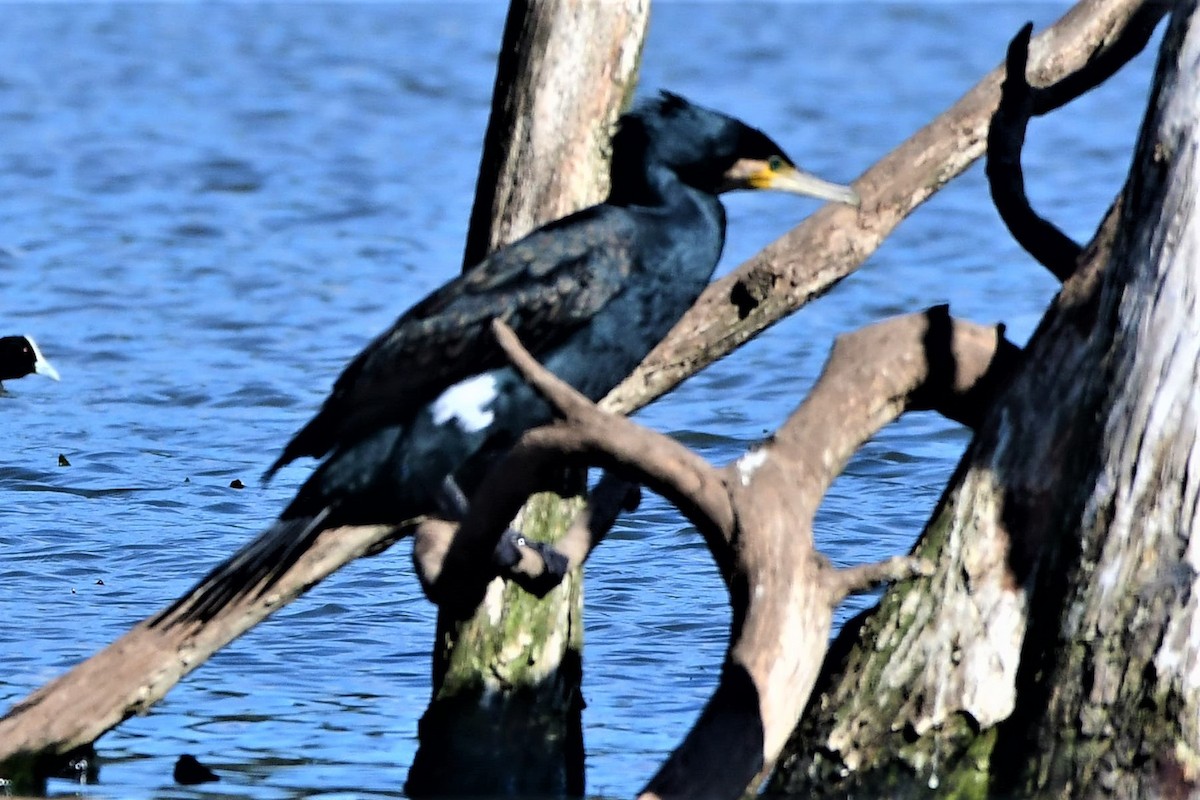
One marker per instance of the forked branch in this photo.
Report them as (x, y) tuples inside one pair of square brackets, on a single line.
[(757, 515)]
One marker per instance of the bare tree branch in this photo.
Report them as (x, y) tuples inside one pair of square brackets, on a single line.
[(863, 578), (829, 245), (781, 590), (1125, 42), (138, 669)]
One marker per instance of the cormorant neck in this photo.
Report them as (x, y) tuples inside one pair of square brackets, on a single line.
[(650, 183)]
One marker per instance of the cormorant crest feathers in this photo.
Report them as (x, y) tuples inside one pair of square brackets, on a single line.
[(671, 103), (698, 143)]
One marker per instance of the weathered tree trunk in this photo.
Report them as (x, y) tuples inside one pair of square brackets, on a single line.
[(506, 714), (565, 71), (1055, 651)]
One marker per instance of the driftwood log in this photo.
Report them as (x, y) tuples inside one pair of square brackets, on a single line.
[(134, 672)]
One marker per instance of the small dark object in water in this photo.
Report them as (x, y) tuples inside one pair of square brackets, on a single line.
[(189, 771), (62, 461), (236, 484)]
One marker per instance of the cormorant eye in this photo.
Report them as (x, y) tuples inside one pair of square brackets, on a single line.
[(776, 163)]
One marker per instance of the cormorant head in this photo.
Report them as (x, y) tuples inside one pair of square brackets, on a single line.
[(20, 356), (709, 151)]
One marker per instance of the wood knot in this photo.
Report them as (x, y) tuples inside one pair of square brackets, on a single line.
[(751, 290)]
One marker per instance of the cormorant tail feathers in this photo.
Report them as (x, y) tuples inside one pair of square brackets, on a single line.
[(284, 459), (311, 440), (255, 568)]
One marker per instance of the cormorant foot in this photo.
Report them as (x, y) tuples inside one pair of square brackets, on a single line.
[(555, 564), (537, 567), (508, 552)]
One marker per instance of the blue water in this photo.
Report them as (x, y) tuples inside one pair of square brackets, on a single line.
[(207, 209)]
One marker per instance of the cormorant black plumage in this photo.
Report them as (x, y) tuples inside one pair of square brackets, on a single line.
[(20, 356), (589, 295)]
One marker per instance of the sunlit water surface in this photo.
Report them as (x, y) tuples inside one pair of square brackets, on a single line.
[(206, 210)]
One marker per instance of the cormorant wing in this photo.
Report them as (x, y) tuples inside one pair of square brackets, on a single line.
[(543, 286)]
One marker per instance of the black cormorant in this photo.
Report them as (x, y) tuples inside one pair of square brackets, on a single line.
[(20, 356), (427, 404)]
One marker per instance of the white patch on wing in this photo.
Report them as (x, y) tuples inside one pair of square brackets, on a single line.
[(748, 464), (467, 404)]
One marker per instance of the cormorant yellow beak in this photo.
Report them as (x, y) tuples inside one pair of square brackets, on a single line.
[(779, 175)]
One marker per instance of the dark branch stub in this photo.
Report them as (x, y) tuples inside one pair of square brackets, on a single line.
[(1051, 247), (1019, 102), (865, 577)]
